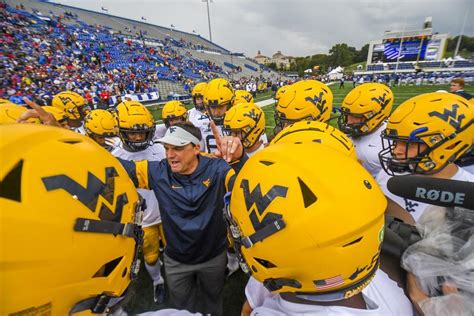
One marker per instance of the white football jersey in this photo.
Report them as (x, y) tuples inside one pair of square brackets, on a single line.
[(416, 208), (382, 297), (160, 131), (368, 148), (209, 141), (198, 118), (156, 152), (80, 129)]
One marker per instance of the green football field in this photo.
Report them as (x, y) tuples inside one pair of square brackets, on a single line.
[(141, 298)]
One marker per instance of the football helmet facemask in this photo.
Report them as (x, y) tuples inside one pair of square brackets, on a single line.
[(174, 111), (198, 95), (247, 121), (136, 126), (219, 97)]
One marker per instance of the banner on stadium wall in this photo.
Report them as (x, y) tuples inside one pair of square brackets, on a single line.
[(141, 97)]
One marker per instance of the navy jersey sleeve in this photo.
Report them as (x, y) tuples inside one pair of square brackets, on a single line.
[(138, 171)]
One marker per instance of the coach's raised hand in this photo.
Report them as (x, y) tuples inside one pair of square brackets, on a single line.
[(229, 148)]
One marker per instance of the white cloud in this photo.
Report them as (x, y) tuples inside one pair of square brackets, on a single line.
[(296, 27)]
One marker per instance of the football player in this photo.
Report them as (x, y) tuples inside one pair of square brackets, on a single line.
[(247, 122), (136, 130), (102, 127), (198, 115), (363, 114), (218, 98), (332, 237), (79, 244), (425, 135), (243, 96), (308, 100), (75, 106)]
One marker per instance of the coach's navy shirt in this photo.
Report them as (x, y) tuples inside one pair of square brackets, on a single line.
[(191, 206)]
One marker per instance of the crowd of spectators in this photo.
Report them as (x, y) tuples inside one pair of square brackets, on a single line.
[(42, 56), (419, 78)]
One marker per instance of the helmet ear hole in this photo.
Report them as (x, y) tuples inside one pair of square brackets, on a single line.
[(10, 186), (266, 162), (71, 141), (355, 241), (105, 270), (267, 264)]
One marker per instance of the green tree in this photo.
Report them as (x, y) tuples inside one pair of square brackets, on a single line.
[(272, 66), (341, 55), (361, 55)]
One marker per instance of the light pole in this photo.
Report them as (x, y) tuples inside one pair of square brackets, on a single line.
[(401, 45), (458, 44), (208, 18)]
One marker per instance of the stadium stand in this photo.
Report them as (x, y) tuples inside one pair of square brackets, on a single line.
[(89, 52)]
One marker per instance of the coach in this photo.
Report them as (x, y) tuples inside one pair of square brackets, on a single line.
[(190, 189)]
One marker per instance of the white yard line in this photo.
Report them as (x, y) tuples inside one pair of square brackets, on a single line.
[(265, 102)]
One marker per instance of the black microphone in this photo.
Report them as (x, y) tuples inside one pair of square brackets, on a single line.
[(434, 191)]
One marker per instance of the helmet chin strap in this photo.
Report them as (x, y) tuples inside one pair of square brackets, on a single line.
[(99, 304)]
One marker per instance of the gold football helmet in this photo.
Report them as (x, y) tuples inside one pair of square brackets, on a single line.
[(309, 100), (332, 236), (247, 121), (243, 96), (437, 126), (70, 234), (59, 114), (312, 132), (281, 91), (173, 112), (100, 125), (72, 103), (370, 104), (10, 113), (136, 125), (198, 95), (219, 97)]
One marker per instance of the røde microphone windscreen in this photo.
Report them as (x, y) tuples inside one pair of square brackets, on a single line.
[(441, 192)]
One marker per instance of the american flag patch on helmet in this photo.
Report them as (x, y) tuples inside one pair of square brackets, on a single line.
[(329, 283)]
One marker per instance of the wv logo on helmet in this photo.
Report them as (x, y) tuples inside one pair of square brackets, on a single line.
[(252, 114), (66, 100), (261, 202), (95, 189), (450, 116), (318, 101), (381, 100)]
